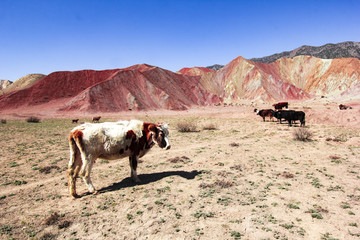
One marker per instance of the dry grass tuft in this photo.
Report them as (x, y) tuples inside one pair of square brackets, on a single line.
[(52, 219), (210, 126), (182, 159), (186, 127), (302, 134), (286, 174), (223, 184), (47, 169)]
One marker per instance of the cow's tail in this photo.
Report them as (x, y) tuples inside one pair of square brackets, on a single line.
[(75, 162), (75, 143)]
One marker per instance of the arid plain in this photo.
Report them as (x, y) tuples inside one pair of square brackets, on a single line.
[(235, 177)]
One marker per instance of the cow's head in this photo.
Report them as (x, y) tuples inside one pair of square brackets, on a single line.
[(159, 134)]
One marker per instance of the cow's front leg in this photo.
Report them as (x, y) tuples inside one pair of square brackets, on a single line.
[(133, 165)]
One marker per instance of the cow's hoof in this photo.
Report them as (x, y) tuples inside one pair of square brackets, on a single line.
[(137, 180), (75, 196)]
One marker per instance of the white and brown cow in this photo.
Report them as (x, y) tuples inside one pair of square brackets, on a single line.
[(111, 140)]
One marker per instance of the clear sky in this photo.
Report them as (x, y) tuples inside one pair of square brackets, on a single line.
[(43, 36)]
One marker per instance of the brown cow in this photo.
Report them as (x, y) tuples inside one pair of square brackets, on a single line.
[(281, 105), (265, 113), (111, 140), (96, 119)]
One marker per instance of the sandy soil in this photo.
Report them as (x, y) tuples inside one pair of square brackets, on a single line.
[(247, 179)]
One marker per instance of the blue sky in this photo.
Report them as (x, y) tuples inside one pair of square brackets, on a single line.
[(43, 36)]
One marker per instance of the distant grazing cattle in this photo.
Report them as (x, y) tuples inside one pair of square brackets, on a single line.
[(291, 116), (96, 119), (265, 113), (281, 105), (344, 107), (111, 140), (75, 120), (280, 116)]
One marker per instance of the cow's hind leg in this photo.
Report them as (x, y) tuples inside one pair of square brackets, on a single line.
[(133, 165), (73, 172), (85, 174)]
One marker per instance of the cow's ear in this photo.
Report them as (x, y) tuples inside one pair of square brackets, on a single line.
[(152, 128)]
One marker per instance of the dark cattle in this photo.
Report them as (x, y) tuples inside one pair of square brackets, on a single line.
[(75, 120), (265, 113), (96, 119), (291, 116), (344, 107), (281, 105), (111, 140), (280, 116)]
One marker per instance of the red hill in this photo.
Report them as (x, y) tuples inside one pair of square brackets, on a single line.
[(139, 87)]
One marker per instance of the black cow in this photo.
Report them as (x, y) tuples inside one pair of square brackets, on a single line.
[(344, 107), (291, 116)]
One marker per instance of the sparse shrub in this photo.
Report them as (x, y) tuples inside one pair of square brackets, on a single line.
[(19, 182), (33, 119), (47, 169), (48, 236), (335, 159), (237, 167), (52, 219), (286, 174), (302, 134), (223, 184), (183, 159), (6, 229), (186, 127), (210, 126), (236, 235)]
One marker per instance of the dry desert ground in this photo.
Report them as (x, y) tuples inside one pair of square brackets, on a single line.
[(234, 177)]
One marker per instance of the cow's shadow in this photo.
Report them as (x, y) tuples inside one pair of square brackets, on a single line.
[(148, 178)]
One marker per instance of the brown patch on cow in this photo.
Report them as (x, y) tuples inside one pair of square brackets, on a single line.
[(130, 135), (76, 134), (152, 128)]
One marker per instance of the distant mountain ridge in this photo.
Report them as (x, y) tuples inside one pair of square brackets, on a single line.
[(327, 51), (19, 84), (146, 87)]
